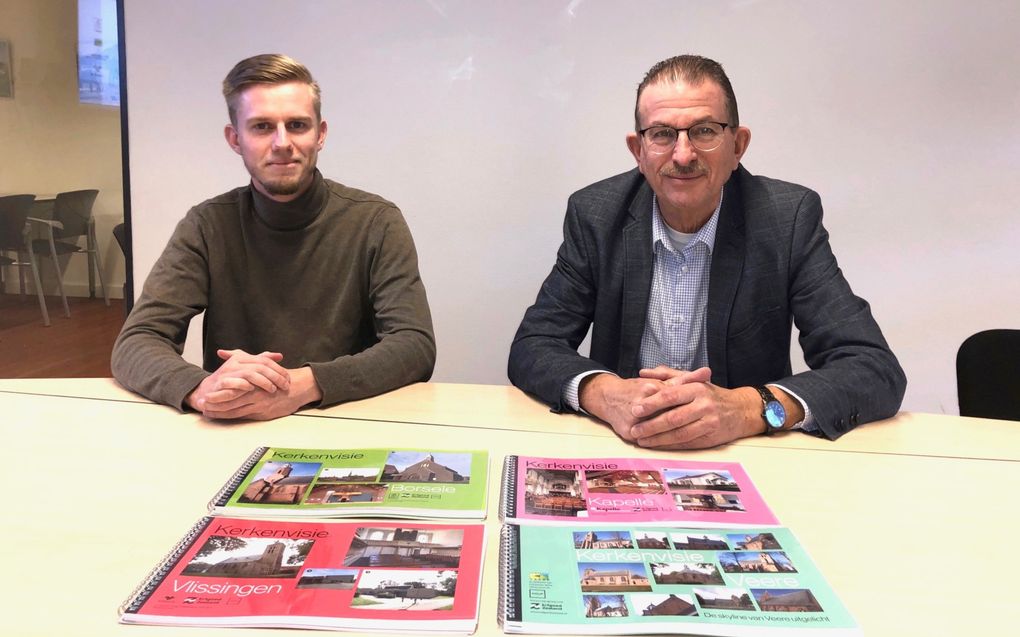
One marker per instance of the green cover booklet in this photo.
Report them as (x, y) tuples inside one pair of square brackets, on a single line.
[(640, 580), (322, 483)]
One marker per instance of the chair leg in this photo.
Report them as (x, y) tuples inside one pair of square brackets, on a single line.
[(99, 265), (90, 250), (21, 276), (38, 288), (60, 277)]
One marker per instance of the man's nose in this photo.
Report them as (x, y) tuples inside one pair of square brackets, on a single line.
[(282, 138), (683, 152)]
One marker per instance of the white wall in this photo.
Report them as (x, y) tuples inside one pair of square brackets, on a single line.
[(479, 118), (51, 143)]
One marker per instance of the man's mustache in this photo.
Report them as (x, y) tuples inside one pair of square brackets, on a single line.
[(676, 170)]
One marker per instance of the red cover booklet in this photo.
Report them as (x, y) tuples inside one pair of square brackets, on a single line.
[(335, 575)]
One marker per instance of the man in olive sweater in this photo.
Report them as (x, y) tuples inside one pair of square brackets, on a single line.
[(310, 289)]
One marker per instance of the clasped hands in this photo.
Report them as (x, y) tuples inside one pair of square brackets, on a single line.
[(666, 408), (253, 386)]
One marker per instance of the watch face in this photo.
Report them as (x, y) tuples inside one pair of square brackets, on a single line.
[(775, 415)]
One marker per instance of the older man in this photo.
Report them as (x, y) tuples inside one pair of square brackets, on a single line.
[(690, 270), (310, 288)]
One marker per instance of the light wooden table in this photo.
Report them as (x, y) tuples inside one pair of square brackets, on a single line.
[(101, 484), (506, 407)]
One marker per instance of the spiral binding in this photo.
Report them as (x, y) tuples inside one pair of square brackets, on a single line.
[(508, 608), (508, 489), (223, 495), (155, 577)]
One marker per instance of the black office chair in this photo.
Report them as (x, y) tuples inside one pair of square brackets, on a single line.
[(14, 237), (988, 375), (72, 218)]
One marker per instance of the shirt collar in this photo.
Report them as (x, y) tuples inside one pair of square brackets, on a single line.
[(705, 234), (296, 214)]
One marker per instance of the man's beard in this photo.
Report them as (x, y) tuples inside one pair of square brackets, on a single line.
[(285, 186)]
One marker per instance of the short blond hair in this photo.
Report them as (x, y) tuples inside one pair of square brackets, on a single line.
[(268, 68)]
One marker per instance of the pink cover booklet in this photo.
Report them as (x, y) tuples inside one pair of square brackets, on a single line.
[(630, 491), (367, 575)]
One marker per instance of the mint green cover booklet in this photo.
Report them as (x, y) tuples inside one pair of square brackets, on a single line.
[(326, 483), (641, 580)]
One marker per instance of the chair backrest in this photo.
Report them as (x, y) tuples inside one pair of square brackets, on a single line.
[(14, 209), (988, 375), (73, 209), (120, 234)]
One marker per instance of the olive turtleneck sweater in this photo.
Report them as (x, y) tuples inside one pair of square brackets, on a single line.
[(330, 280)]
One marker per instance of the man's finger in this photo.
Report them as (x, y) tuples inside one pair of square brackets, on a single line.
[(224, 395), (669, 419), (261, 377), (666, 398), (700, 375), (675, 437), (228, 381), (215, 409), (660, 372), (227, 354)]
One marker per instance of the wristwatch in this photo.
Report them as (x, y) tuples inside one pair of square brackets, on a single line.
[(772, 411)]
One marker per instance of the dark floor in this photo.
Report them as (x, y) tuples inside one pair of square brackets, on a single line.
[(75, 347)]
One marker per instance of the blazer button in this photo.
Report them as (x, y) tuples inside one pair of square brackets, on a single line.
[(840, 426)]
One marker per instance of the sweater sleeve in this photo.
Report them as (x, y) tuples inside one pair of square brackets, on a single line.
[(405, 351), (147, 354)]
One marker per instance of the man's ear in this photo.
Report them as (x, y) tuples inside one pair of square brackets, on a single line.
[(634, 146), (230, 134), (741, 140), (322, 133)]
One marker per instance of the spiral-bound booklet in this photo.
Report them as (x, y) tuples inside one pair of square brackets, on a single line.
[(387, 576), (628, 491), (638, 580), (323, 483)]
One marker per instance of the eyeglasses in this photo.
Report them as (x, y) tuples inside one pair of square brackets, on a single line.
[(704, 136)]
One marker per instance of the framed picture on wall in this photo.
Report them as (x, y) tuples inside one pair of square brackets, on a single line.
[(6, 72)]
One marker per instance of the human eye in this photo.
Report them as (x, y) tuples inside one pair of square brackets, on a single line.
[(661, 135), (708, 130), (706, 133), (261, 127), (298, 126)]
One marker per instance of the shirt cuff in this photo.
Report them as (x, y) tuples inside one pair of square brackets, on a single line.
[(808, 423), (570, 390)]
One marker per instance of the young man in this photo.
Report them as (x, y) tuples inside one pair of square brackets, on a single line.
[(690, 271), (310, 288)]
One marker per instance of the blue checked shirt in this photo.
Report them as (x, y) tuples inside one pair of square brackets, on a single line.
[(675, 324)]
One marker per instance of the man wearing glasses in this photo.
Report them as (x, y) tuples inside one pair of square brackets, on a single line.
[(690, 270)]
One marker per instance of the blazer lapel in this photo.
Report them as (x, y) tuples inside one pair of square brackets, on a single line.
[(727, 266), (637, 280)]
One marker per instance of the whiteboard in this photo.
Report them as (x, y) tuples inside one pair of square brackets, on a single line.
[(902, 115)]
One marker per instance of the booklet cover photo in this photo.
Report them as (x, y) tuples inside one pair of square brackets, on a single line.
[(423, 483)]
